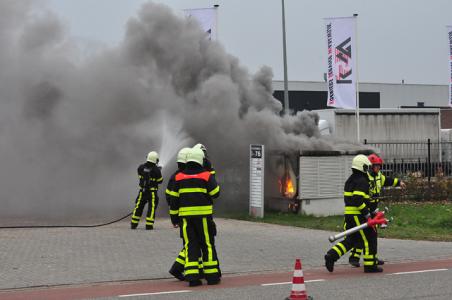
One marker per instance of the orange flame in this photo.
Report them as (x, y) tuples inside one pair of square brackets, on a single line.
[(289, 187)]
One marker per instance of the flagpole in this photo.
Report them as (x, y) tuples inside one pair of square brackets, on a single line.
[(216, 21), (356, 77), (286, 88)]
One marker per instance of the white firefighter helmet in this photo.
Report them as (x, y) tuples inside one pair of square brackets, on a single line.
[(196, 155), (153, 157), (361, 163), (200, 146), (182, 155)]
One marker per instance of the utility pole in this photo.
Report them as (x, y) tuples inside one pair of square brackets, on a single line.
[(286, 88)]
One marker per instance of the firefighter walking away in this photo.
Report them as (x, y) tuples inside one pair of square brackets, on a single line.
[(150, 177), (356, 212), (377, 180), (192, 201)]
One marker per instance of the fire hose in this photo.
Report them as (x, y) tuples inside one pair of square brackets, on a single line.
[(64, 226), (379, 219)]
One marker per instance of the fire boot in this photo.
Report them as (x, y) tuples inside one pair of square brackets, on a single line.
[(380, 262), (149, 227), (329, 262), (372, 269), (354, 261), (195, 282), (177, 273), (133, 226)]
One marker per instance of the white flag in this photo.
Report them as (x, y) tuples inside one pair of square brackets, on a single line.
[(341, 78), (449, 33), (207, 18)]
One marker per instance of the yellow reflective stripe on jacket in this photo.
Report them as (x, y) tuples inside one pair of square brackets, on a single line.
[(195, 210), (191, 264), (172, 193), (191, 271), (192, 190), (351, 210), (214, 191), (211, 271), (354, 210), (173, 212), (396, 180), (213, 172), (159, 179), (362, 206), (359, 193)]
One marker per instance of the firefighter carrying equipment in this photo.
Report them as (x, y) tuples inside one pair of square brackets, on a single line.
[(376, 181), (153, 157), (356, 212), (192, 202), (361, 163), (150, 177)]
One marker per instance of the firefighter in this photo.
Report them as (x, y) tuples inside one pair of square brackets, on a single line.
[(192, 201), (150, 177), (206, 162), (377, 181), (356, 212), (177, 268)]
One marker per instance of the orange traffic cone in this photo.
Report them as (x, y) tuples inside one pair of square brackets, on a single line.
[(298, 287)]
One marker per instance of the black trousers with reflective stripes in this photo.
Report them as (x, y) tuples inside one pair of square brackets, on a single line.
[(365, 239), (179, 264), (145, 196), (356, 252), (198, 234)]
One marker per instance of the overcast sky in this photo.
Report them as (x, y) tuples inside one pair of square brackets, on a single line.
[(397, 39)]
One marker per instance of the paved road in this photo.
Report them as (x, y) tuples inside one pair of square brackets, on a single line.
[(68, 256)]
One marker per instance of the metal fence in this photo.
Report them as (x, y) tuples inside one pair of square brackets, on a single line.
[(421, 159)]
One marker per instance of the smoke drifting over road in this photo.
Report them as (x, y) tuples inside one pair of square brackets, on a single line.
[(73, 129)]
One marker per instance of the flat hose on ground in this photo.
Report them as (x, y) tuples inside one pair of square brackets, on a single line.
[(65, 226)]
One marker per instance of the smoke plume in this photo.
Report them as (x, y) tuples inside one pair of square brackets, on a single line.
[(73, 129)]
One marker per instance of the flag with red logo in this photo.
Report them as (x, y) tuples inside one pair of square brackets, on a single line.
[(449, 35), (341, 71)]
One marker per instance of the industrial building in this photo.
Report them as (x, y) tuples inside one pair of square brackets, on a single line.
[(408, 124), (312, 95)]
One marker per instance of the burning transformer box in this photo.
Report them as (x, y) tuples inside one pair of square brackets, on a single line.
[(310, 182)]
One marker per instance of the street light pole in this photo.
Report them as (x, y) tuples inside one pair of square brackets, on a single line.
[(286, 89)]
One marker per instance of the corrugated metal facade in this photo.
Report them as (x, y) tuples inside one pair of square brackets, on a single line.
[(385, 125), (391, 95)]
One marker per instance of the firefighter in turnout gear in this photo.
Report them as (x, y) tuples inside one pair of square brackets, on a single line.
[(376, 181), (150, 177), (177, 269), (206, 162), (192, 202), (356, 212)]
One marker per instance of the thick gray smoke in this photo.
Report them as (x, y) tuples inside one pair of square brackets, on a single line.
[(74, 129)]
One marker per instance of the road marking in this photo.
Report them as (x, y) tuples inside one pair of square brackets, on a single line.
[(422, 271), (289, 282), (158, 293)]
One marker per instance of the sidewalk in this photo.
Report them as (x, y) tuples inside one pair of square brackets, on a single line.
[(42, 257)]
